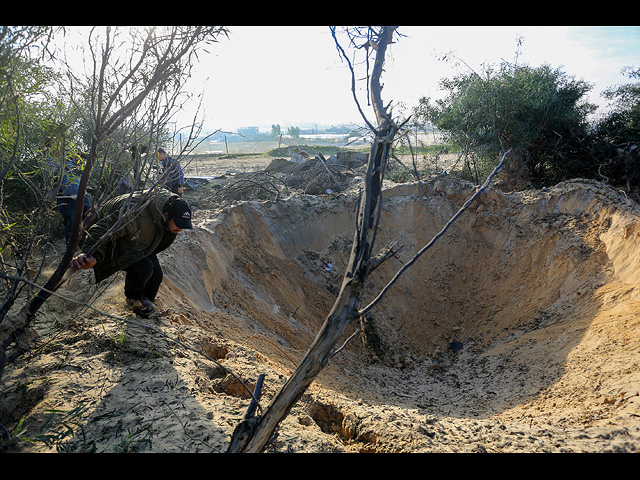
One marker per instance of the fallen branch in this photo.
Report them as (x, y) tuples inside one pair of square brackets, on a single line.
[(324, 163), (242, 433)]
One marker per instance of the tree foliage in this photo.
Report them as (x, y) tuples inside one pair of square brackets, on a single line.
[(616, 137), (27, 112), (539, 112), (622, 124)]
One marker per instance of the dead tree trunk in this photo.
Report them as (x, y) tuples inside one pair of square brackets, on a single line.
[(252, 435)]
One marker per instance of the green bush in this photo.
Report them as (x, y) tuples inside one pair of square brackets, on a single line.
[(539, 112)]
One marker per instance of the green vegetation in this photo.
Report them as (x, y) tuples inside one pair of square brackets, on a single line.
[(541, 114), (622, 125)]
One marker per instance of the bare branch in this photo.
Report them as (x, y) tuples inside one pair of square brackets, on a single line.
[(462, 209), (258, 432)]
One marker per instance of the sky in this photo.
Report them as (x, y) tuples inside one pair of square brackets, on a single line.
[(294, 76)]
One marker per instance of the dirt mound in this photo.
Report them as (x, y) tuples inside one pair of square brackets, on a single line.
[(517, 331)]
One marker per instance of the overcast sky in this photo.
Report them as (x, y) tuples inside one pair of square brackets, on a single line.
[(293, 76)]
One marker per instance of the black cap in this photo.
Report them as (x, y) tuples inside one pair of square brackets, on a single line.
[(180, 211)]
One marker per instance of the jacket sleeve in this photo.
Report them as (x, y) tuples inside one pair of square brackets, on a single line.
[(180, 173), (176, 175), (101, 228)]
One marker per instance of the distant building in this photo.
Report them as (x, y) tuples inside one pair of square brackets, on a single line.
[(218, 137), (248, 131)]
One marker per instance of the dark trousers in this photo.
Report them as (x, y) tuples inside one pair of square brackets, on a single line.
[(143, 278)]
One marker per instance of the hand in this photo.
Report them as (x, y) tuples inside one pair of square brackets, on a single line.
[(83, 262)]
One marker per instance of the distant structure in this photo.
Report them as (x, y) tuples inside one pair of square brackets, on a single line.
[(248, 131)]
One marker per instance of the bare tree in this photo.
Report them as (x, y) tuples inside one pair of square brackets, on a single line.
[(253, 433), (127, 98)]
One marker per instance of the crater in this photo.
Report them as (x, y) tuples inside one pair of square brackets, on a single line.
[(524, 293)]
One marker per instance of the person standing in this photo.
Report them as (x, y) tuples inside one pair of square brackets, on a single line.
[(172, 172), (133, 247), (68, 193)]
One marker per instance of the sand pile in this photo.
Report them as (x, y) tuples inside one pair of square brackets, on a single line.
[(518, 331)]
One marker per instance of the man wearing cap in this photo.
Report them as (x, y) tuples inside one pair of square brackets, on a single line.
[(133, 247)]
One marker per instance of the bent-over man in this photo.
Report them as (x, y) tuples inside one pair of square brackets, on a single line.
[(133, 247)]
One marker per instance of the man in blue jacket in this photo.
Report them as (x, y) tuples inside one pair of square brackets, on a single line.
[(172, 171)]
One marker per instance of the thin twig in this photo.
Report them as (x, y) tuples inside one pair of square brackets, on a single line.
[(346, 342), (274, 345), (386, 288)]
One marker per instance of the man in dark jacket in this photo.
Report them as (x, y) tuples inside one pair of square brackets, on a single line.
[(133, 247)]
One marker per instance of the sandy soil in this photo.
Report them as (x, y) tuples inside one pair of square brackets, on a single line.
[(517, 332)]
